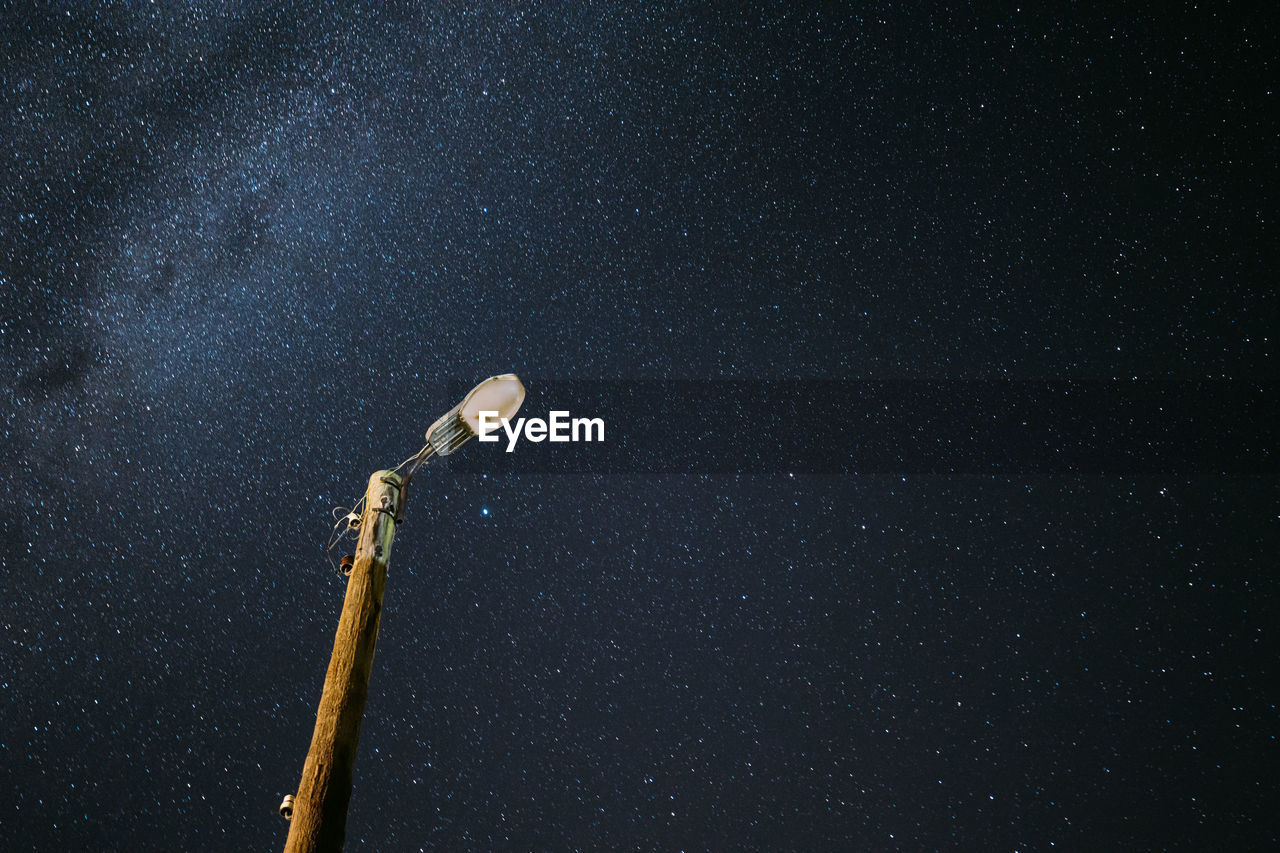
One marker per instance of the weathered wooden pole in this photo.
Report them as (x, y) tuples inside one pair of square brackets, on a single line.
[(319, 819)]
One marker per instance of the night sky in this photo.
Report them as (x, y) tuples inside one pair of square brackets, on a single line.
[(249, 251)]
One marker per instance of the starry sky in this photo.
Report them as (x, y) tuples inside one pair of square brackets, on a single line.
[(250, 250)]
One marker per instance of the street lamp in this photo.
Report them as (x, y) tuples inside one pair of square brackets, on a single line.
[(502, 394), (319, 809)]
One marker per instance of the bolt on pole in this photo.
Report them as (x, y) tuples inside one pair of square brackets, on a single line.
[(319, 819)]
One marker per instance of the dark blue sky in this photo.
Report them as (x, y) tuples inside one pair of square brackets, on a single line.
[(249, 251)]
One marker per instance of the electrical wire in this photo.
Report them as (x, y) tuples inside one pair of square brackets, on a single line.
[(342, 515), (424, 450)]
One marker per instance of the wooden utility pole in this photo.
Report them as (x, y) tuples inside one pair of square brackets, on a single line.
[(319, 819)]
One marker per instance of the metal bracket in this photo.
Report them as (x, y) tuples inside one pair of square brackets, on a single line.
[(401, 497)]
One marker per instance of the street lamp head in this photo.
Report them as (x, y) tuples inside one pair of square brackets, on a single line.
[(502, 394)]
